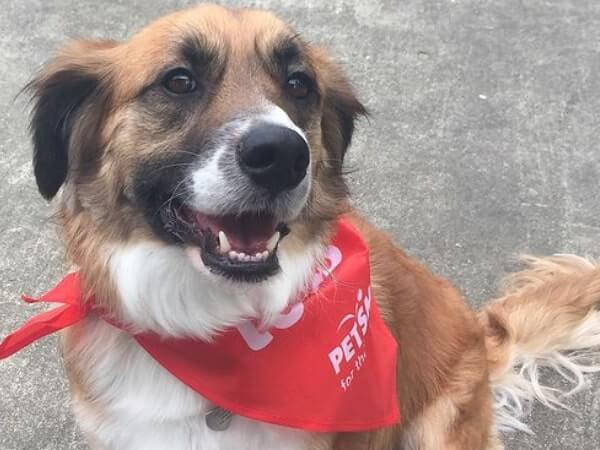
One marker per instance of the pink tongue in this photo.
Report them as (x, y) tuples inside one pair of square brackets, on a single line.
[(247, 233)]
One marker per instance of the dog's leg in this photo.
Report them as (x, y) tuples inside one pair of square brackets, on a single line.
[(444, 425), (461, 417), (548, 317)]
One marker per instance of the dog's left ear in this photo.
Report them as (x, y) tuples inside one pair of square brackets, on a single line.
[(341, 107), (59, 95)]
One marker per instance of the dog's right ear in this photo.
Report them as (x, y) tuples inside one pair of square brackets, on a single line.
[(58, 93), (341, 107)]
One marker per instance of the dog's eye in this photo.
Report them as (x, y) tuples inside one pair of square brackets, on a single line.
[(180, 81), (299, 85)]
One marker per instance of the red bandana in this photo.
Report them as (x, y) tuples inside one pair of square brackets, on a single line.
[(328, 364)]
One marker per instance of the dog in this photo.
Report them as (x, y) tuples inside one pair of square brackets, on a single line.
[(199, 174)]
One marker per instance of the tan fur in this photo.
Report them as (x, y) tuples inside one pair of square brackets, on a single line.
[(447, 353), (442, 376), (540, 310)]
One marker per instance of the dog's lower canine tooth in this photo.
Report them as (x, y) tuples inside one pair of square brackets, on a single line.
[(224, 245), (272, 242)]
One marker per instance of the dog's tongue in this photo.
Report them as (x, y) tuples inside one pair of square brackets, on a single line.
[(248, 232)]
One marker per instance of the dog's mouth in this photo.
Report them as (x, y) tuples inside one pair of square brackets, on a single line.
[(241, 246)]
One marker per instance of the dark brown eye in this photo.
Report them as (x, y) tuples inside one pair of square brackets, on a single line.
[(299, 85), (180, 81)]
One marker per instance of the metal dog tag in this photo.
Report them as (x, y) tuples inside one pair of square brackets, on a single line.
[(218, 419)]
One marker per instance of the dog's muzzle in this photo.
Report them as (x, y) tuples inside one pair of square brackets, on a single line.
[(249, 180)]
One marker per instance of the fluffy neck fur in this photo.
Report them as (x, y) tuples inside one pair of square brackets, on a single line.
[(163, 291)]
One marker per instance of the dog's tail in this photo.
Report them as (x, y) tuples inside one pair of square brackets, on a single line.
[(547, 317)]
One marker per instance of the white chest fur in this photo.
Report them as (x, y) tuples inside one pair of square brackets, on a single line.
[(138, 405), (133, 403)]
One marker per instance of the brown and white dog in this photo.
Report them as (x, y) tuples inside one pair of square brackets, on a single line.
[(201, 167)]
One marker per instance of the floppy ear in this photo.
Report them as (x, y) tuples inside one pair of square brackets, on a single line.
[(58, 93), (341, 107)]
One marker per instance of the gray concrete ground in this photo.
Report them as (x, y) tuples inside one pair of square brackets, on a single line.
[(483, 143)]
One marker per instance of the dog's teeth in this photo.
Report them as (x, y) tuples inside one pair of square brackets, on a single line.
[(273, 241), (224, 245), (243, 257), (239, 256)]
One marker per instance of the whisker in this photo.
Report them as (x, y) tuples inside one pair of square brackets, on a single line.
[(183, 152), (170, 166), (173, 195)]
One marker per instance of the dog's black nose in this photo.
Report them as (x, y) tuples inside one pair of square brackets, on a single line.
[(274, 157)]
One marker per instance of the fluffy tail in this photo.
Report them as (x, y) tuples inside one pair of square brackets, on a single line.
[(547, 317)]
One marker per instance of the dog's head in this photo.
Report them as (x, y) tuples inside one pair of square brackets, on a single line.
[(220, 131)]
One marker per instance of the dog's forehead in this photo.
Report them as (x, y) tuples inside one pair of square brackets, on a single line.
[(231, 37), (236, 31)]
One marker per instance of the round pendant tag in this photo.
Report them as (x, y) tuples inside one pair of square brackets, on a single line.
[(218, 419)]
